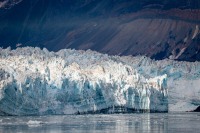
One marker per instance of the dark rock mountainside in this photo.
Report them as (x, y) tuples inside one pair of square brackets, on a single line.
[(197, 109), (155, 28)]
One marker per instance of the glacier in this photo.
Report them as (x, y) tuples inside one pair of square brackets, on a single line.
[(35, 81)]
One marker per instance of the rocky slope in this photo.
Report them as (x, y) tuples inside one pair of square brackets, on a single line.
[(157, 29)]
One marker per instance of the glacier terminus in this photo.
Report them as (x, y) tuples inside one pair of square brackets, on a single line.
[(40, 82)]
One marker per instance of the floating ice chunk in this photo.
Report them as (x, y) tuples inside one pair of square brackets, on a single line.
[(35, 123)]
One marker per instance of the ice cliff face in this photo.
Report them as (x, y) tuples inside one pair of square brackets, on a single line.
[(36, 82), (183, 80)]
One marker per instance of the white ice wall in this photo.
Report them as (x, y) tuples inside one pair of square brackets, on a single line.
[(34, 81), (183, 79)]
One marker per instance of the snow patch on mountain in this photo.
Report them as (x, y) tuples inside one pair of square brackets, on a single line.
[(6, 4)]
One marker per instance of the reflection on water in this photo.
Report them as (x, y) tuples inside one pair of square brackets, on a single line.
[(118, 123)]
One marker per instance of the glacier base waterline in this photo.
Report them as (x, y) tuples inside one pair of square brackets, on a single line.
[(39, 82)]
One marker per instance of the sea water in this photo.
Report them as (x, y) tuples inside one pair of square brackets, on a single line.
[(103, 123)]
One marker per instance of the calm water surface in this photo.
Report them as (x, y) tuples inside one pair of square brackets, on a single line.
[(114, 123)]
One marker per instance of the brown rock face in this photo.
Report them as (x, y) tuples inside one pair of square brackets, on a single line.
[(167, 29)]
